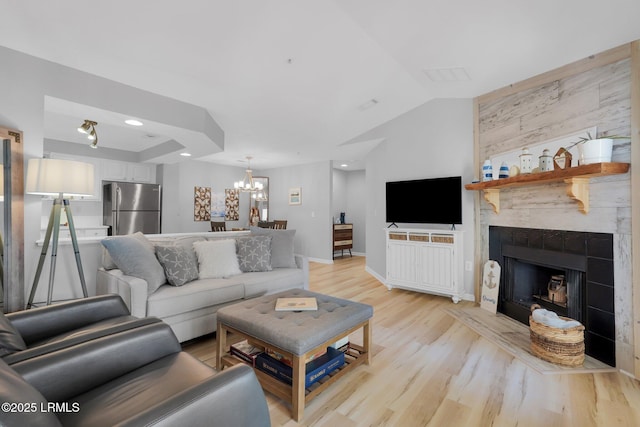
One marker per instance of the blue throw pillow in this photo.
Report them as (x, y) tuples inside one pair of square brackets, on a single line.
[(136, 259)]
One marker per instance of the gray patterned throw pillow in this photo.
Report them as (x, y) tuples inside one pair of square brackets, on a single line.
[(254, 253), (180, 264)]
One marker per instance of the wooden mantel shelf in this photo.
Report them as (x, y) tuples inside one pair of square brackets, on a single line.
[(576, 178)]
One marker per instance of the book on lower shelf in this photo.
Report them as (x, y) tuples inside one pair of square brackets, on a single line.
[(286, 360), (245, 351), (314, 370), (342, 344)]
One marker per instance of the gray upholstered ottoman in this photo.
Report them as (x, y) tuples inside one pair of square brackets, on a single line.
[(297, 335)]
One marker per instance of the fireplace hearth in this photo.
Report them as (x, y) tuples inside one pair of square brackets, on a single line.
[(530, 258)]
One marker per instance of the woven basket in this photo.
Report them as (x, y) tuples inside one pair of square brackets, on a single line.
[(561, 346)]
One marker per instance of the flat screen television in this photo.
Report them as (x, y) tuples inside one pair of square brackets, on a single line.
[(425, 201)]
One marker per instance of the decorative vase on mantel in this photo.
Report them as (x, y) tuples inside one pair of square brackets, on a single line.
[(595, 151), (525, 161)]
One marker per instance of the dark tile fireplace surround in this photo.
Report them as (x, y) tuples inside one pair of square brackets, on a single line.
[(529, 257)]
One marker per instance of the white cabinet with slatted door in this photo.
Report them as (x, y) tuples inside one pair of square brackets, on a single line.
[(426, 261)]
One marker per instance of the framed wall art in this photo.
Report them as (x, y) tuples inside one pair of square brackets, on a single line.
[(295, 196), (232, 204), (202, 204)]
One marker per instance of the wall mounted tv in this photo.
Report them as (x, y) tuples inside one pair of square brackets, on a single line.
[(425, 201)]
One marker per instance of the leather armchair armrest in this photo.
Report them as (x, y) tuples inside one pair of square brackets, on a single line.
[(71, 371), (231, 398), (77, 338), (40, 323)]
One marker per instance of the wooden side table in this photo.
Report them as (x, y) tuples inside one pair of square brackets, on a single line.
[(342, 238)]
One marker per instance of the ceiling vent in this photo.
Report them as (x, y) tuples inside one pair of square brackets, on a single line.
[(369, 104), (447, 74)]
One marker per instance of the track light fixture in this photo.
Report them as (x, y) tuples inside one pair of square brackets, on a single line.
[(89, 128)]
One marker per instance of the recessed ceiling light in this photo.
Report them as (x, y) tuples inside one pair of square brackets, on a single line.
[(344, 165), (185, 154), (133, 122)]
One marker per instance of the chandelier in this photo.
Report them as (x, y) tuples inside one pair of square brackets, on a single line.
[(260, 196), (89, 129), (247, 184)]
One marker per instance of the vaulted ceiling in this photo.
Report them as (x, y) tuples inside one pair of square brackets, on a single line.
[(294, 81)]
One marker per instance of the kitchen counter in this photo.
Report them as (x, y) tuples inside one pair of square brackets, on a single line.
[(85, 231), (95, 239)]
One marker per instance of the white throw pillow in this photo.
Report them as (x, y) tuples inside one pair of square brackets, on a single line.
[(216, 258)]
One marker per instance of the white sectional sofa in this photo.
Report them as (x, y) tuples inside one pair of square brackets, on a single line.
[(130, 269)]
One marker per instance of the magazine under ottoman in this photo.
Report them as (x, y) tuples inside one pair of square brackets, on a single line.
[(297, 335)]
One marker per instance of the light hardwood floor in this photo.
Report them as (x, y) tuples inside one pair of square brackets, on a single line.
[(430, 370)]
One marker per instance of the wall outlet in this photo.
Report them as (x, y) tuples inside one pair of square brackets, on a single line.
[(468, 265)]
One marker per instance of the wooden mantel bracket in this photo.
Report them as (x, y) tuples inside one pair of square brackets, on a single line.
[(492, 196), (578, 190)]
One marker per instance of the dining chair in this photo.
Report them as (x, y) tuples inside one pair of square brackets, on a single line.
[(266, 224), (280, 224), (218, 226)]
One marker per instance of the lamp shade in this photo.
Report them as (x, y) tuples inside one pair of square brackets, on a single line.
[(50, 177)]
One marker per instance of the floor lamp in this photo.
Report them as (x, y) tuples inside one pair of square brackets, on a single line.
[(61, 179)]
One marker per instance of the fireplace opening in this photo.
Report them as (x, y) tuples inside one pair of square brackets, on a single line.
[(535, 284), (583, 262), (528, 283)]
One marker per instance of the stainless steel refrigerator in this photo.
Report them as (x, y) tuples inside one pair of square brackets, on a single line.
[(130, 207)]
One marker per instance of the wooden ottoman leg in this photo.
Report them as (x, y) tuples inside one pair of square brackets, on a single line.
[(221, 344), (366, 341), (297, 387)]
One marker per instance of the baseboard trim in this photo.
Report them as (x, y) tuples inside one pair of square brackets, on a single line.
[(378, 277), (321, 260)]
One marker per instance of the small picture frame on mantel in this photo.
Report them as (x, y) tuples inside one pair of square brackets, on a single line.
[(295, 196)]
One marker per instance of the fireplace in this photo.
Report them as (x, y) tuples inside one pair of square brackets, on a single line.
[(531, 258)]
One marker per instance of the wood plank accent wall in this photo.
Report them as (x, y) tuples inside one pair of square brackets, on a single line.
[(635, 196), (595, 91)]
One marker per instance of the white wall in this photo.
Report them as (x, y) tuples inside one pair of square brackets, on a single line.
[(178, 182), (433, 140), (357, 209), (311, 219), (339, 193)]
